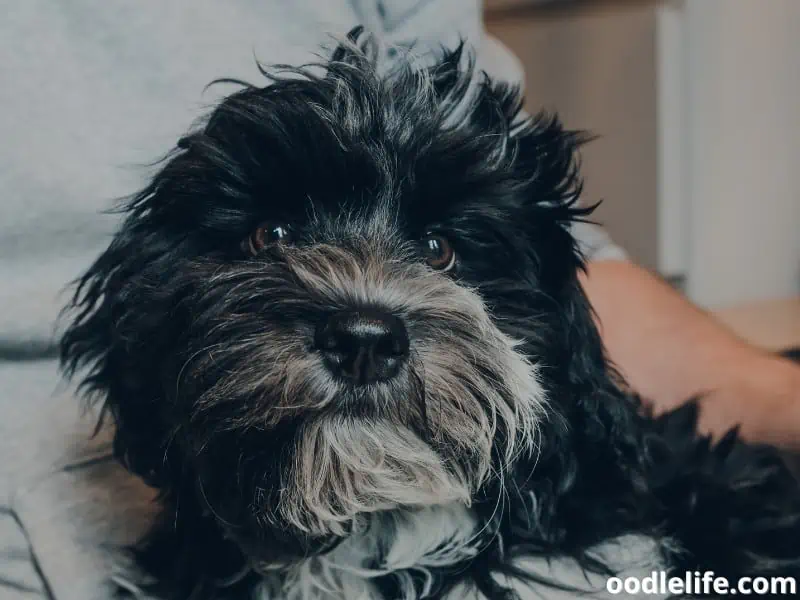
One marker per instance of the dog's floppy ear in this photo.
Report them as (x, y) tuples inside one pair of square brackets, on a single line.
[(98, 345), (547, 159)]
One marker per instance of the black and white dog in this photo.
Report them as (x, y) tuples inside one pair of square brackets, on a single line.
[(342, 332)]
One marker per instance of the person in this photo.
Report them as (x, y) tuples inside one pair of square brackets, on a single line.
[(92, 89)]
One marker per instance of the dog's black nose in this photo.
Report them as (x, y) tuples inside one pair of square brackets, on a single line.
[(363, 346)]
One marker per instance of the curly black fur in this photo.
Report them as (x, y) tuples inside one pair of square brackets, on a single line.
[(447, 150)]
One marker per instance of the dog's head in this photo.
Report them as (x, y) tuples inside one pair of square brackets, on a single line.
[(344, 293)]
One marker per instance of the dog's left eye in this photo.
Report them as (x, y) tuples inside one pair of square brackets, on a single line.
[(438, 252), (265, 234)]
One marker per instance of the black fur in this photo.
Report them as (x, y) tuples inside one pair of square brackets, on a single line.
[(503, 189)]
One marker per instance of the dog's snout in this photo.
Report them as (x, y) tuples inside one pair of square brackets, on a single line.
[(363, 346)]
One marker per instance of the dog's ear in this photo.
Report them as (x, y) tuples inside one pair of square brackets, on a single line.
[(98, 346), (547, 160)]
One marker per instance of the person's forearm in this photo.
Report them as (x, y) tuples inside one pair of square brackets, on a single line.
[(669, 351)]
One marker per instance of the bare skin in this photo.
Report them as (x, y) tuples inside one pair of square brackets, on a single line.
[(669, 350)]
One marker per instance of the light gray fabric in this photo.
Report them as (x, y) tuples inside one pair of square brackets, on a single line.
[(61, 498), (91, 91), (596, 244)]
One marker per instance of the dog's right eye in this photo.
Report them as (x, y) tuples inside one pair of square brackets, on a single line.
[(438, 252), (265, 234)]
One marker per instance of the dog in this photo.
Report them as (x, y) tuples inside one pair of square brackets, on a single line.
[(342, 333)]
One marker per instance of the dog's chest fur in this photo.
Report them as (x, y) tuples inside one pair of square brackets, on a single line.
[(407, 544), (412, 545)]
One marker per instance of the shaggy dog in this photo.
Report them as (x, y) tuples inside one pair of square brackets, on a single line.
[(342, 333)]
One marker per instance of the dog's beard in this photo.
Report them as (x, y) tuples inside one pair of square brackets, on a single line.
[(461, 409), (347, 466)]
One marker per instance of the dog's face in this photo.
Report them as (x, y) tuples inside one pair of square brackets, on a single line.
[(336, 299)]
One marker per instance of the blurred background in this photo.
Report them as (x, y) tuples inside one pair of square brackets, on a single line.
[(697, 105)]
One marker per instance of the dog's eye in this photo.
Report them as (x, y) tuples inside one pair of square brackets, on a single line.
[(438, 252), (265, 234)]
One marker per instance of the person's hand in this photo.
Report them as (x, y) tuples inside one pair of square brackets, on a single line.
[(670, 351), (760, 394)]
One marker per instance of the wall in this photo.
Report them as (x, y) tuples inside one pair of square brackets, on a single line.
[(743, 149)]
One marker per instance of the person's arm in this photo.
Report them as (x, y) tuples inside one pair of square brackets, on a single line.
[(669, 351)]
